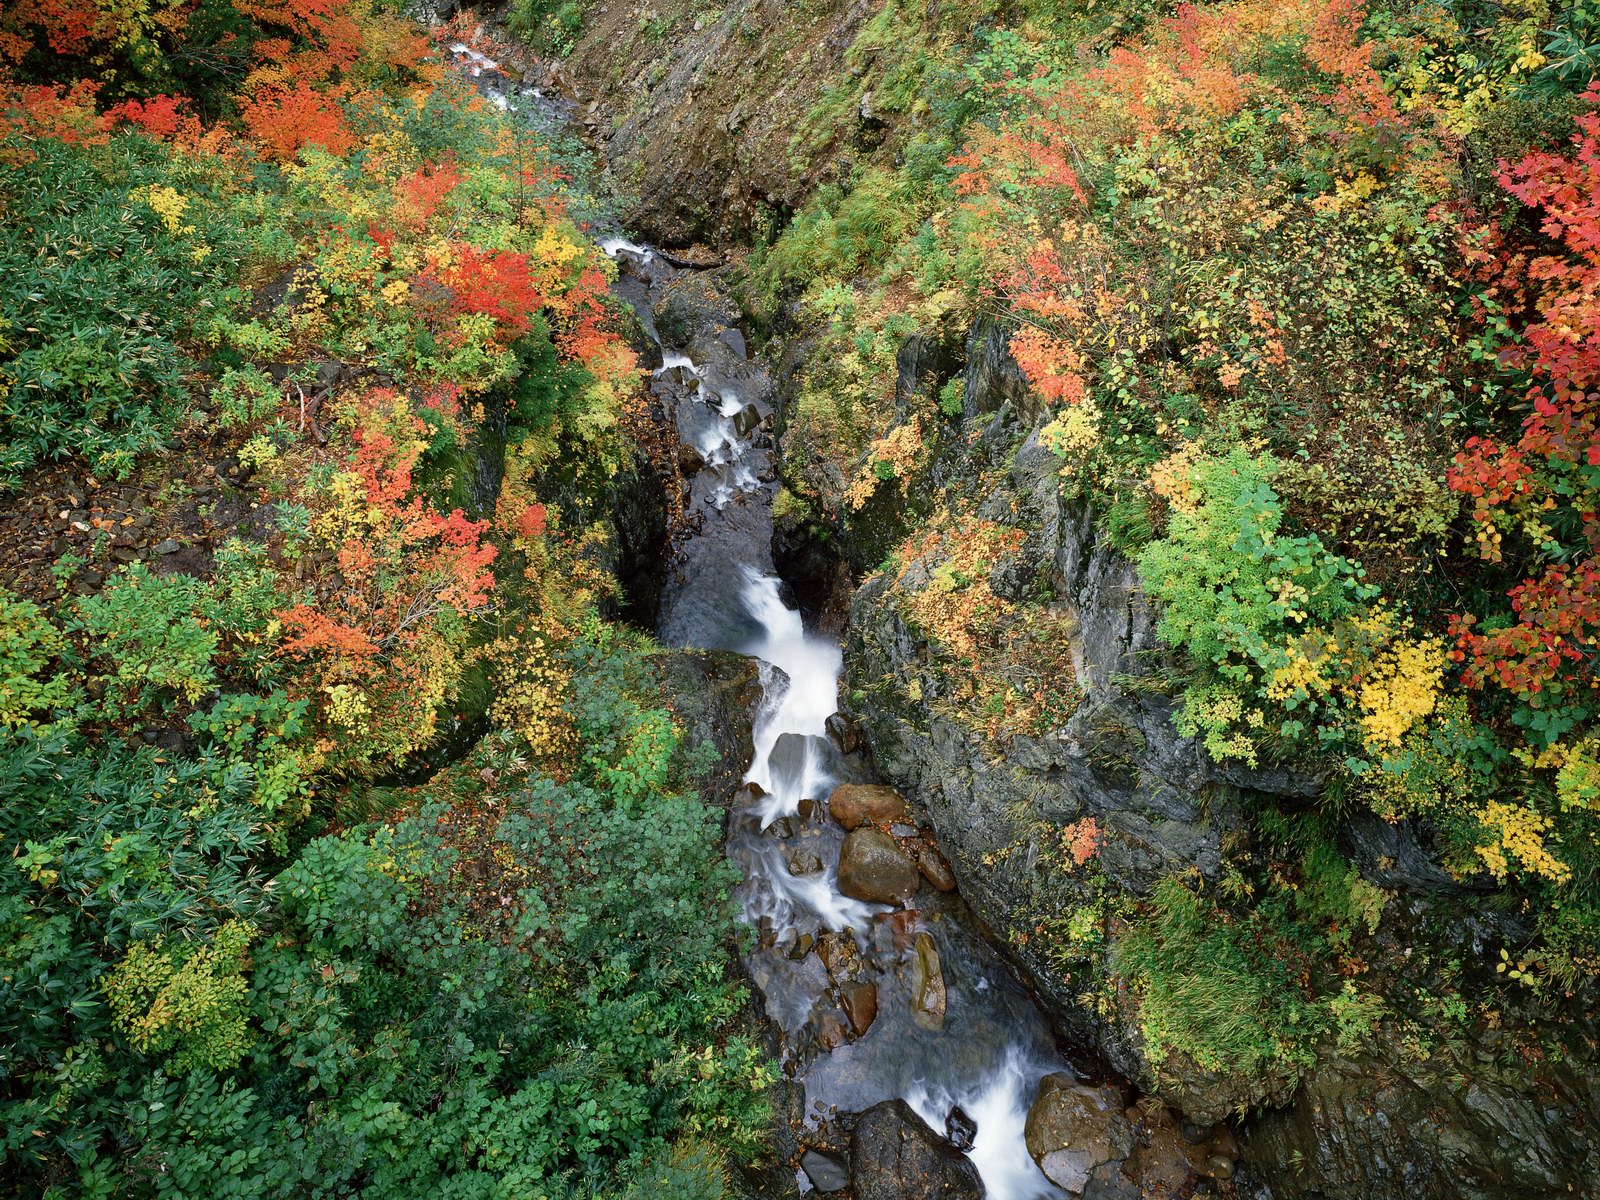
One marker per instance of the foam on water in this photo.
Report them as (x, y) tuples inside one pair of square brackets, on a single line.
[(998, 1104), (613, 245)]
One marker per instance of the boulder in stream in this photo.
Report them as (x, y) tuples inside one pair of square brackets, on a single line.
[(936, 869), (746, 420), (928, 992), (895, 1156), (860, 1003), (856, 804), (1072, 1129), (844, 732), (872, 866), (960, 1129), (827, 1172)]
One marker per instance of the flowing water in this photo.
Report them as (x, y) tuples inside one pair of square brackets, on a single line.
[(993, 1045)]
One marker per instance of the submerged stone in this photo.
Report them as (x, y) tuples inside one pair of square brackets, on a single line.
[(860, 1001), (928, 993)]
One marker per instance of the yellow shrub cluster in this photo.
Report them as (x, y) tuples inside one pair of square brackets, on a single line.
[(531, 694), (1517, 832), (1401, 689), (1073, 434), (894, 456)]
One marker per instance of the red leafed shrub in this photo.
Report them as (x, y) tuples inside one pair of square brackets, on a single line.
[(159, 116), (69, 26), (496, 283), (56, 112), (532, 521), (384, 640), (418, 195), (284, 120), (1547, 485)]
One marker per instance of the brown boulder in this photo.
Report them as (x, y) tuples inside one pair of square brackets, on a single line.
[(856, 804), (895, 1156), (935, 869), (1073, 1129), (873, 867)]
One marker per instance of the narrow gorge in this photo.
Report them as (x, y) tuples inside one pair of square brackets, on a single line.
[(800, 598)]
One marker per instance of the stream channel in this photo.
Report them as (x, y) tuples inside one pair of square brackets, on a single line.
[(875, 1001)]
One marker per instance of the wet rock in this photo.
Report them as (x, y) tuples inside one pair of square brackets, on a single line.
[(690, 460), (1165, 1159), (936, 869), (857, 804), (1073, 1129), (928, 993), (804, 862), (844, 731), (860, 1002), (827, 1172), (802, 947), (747, 420), (895, 1156), (872, 866), (839, 954), (810, 810), (1111, 1181), (960, 1129)]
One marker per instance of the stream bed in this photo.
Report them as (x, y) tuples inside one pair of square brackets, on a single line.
[(876, 1000)]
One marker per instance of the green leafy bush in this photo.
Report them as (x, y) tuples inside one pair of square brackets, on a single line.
[(99, 291), (29, 643), (1234, 588)]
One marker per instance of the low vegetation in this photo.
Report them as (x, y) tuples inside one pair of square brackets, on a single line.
[(277, 285)]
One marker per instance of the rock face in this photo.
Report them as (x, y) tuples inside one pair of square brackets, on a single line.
[(1375, 1120), (857, 804), (1163, 808), (1073, 1129), (714, 693), (702, 112), (873, 867), (895, 1156)]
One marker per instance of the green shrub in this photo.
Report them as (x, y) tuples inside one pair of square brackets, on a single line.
[(1233, 588), (148, 633), (1225, 993), (99, 293), (29, 643)]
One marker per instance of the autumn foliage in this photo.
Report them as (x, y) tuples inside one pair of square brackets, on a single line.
[(1543, 489)]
